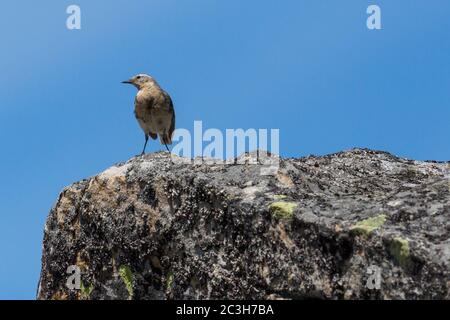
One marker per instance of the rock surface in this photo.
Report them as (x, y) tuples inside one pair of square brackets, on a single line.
[(322, 227)]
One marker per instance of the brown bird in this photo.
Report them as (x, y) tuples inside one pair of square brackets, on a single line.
[(153, 109)]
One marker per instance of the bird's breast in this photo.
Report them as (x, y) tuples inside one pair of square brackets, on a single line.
[(153, 111)]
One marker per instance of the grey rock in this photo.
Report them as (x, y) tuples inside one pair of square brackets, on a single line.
[(156, 228)]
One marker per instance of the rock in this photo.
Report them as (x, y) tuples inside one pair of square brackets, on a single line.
[(152, 228)]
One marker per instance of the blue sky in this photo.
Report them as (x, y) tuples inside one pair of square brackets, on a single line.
[(310, 68)]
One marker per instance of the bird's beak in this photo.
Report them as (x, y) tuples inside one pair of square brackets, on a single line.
[(127, 81)]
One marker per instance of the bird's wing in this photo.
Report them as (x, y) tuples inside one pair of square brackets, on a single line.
[(172, 110), (142, 113)]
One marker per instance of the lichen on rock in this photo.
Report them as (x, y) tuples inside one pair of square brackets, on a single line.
[(399, 249), (282, 209), (367, 226), (126, 275), (86, 290)]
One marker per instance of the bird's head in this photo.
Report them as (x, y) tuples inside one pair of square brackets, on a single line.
[(140, 81)]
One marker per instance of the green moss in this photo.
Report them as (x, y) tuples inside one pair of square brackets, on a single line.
[(280, 196), (399, 249), (282, 209), (127, 277), (366, 227), (86, 291), (169, 281)]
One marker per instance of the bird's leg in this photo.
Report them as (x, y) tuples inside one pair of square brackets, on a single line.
[(170, 153), (145, 144), (164, 140)]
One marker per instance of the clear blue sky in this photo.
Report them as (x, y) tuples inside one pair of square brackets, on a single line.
[(310, 68)]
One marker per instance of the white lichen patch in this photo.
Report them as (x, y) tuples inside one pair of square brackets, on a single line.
[(434, 169), (392, 167), (114, 172), (395, 203), (251, 192)]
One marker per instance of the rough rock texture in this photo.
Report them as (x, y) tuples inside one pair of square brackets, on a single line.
[(154, 229)]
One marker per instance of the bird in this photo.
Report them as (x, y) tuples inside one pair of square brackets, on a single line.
[(153, 109)]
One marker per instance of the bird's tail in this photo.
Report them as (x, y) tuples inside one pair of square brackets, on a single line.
[(166, 138)]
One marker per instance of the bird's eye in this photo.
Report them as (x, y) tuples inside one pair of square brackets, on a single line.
[(138, 77)]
